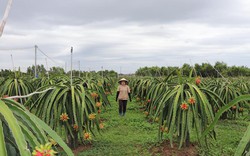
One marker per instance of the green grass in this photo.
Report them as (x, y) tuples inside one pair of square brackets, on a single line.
[(229, 134), (127, 135), (132, 134)]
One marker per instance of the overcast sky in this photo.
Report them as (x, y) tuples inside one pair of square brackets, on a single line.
[(123, 35)]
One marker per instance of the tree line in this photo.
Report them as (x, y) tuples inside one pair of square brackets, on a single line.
[(205, 70), (42, 72)]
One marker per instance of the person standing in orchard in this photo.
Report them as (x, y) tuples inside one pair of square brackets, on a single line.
[(122, 95)]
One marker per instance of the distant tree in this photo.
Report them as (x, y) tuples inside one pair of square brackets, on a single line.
[(198, 69), (204, 70), (143, 71), (207, 70), (106, 73), (109, 73), (222, 68), (56, 71), (6, 72), (155, 71), (40, 69), (164, 71), (171, 69), (186, 68)]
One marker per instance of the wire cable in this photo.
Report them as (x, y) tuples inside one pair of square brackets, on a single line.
[(220, 74), (48, 56)]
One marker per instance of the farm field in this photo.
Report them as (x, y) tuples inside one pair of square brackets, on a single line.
[(135, 135), (70, 69), (174, 115)]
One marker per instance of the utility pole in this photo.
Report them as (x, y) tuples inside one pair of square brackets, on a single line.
[(47, 67), (65, 68), (18, 87), (71, 74), (13, 66), (35, 60)]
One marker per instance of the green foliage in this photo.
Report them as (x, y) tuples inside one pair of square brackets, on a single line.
[(225, 91), (244, 145), (16, 86), (155, 71), (133, 135), (21, 131), (6, 73), (228, 136), (164, 100), (76, 102), (127, 135), (160, 97), (99, 86), (99, 74), (56, 71), (42, 72), (73, 102), (107, 73), (180, 121), (205, 70)]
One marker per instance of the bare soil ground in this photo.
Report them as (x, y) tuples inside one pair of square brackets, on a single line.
[(82, 148), (164, 149)]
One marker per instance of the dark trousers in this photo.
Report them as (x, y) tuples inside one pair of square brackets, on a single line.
[(122, 106)]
